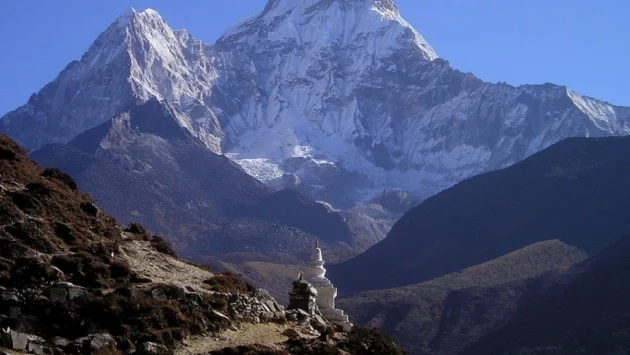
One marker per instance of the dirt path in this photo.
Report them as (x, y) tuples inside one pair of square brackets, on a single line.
[(148, 262), (249, 334)]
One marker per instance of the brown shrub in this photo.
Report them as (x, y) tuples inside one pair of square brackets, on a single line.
[(84, 269), (204, 267), (229, 283), (120, 269), (65, 233), (90, 209), (31, 270), (24, 201), (38, 189), (162, 246), (7, 154), (370, 341), (135, 228), (56, 174)]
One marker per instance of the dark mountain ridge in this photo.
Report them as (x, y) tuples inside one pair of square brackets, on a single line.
[(575, 191), (444, 315), (588, 313)]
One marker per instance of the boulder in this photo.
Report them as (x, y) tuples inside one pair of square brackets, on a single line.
[(59, 341), (75, 292), (262, 294), (159, 294), (166, 292), (266, 316), (90, 209), (96, 343), (57, 294), (35, 339), (149, 348), (14, 312), (308, 331), (271, 305), (19, 341), (36, 349), (221, 315), (102, 341), (279, 315), (318, 323), (9, 295), (319, 319), (291, 333)]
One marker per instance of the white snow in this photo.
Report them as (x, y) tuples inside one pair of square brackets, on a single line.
[(307, 78)]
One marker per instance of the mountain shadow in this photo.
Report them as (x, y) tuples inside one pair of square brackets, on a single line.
[(587, 314), (576, 191)]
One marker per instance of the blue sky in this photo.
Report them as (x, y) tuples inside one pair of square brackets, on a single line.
[(584, 44)]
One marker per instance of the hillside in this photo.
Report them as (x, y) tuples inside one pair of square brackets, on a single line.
[(444, 315), (575, 191), (72, 281), (588, 314), (142, 166)]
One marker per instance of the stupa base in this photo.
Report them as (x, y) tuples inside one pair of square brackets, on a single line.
[(337, 317)]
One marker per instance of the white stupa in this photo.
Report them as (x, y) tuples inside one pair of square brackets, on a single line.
[(326, 292)]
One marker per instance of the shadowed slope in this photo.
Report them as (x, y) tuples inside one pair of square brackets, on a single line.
[(576, 191), (444, 315), (589, 314)]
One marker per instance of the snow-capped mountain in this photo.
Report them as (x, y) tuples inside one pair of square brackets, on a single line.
[(138, 57), (341, 98)]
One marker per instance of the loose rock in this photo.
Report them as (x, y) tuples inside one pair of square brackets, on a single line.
[(291, 333), (149, 348)]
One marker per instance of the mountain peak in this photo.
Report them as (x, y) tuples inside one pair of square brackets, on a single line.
[(325, 23), (130, 16), (273, 4), (124, 18)]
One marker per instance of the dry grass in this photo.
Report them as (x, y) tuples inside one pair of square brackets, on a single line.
[(268, 333)]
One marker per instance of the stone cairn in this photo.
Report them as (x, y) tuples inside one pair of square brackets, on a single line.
[(325, 291), (303, 296)]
